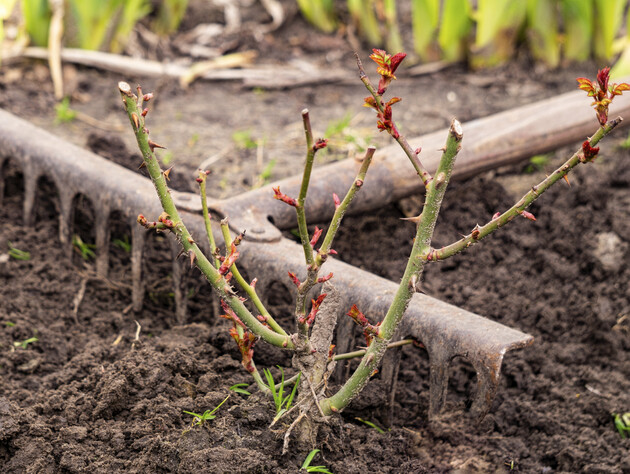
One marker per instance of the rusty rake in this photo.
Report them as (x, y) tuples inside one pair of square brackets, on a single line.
[(445, 330)]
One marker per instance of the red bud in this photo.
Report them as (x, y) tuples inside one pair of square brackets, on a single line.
[(325, 278), (337, 201), (283, 197), (294, 279), (528, 215), (316, 236)]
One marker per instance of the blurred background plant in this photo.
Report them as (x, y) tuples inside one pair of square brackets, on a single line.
[(93, 24), (484, 33)]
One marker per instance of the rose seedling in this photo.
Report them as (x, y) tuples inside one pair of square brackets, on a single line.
[(314, 316)]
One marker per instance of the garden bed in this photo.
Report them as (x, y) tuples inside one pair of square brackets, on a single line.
[(88, 396)]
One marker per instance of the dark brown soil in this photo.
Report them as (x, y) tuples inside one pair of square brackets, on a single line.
[(88, 397)]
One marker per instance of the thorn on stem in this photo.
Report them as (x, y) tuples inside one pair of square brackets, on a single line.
[(153, 145), (415, 219)]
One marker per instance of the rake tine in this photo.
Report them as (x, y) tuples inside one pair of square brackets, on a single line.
[(138, 239), (102, 238), (66, 218), (445, 330), (30, 190), (181, 300)]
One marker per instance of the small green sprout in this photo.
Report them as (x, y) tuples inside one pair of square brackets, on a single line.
[(277, 391), (239, 388), (371, 425), (86, 250), (622, 423), (537, 163), (265, 175), (24, 344), (307, 464), (167, 157), (192, 141), (123, 244), (63, 112), (343, 137), (626, 143), (9, 324), (337, 127), (199, 420), (18, 254), (243, 139)]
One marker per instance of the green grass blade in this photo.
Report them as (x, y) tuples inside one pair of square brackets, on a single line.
[(499, 23), (577, 17), (132, 12), (542, 31), (608, 17), (281, 387), (93, 20), (455, 26), (238, 388), (37, 15), (318, 13), (371, 425), (622, 66), (309, 458), (170, 15), (425, 15), (289, 400), (362, 13), (272, 387), (393, 40)]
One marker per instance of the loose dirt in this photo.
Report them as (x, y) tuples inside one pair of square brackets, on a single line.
[(93, 394)]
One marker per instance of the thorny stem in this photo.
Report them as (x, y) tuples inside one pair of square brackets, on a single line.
[(425, 176), (361, 352), (133, 107), (422, 244), (480, 232), (206, 216), (304, 288), (313, 268), (308, 167), (247, 287), (335, 222), (254, 373)]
